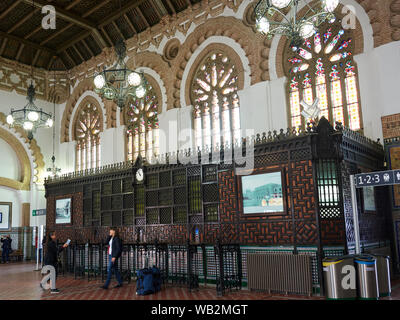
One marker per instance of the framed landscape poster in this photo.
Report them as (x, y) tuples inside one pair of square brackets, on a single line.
[(262, 193), (63, 211), (5, 216)]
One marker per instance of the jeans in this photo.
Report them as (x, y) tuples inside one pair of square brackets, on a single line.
[(5, 255), (112, 267)]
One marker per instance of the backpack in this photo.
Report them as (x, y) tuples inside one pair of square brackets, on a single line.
[(148, 281)]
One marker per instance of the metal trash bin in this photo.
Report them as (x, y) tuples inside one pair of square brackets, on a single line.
[(383, 270), (335, 270), (367, 277)]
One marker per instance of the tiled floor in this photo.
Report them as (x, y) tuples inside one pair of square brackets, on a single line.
[(19, 281)]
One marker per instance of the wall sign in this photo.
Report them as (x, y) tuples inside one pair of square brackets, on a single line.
[(382, 178), (39, 212)]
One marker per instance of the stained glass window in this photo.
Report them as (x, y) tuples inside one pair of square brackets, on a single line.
[(141, 120), (323, 68), (87, 133), (216, 101)]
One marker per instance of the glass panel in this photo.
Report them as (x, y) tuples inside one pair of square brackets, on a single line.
[(330, 79)]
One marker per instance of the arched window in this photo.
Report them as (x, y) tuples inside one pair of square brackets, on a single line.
[(323, 68), (88, 125), (141, 121), (215, 99)]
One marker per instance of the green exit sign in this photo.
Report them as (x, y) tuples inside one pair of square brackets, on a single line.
[(39, 212)]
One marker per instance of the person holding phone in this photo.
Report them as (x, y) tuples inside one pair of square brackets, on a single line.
[(52, 253), (114, 253)]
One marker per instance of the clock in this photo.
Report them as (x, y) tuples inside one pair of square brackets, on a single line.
[(139, 175)]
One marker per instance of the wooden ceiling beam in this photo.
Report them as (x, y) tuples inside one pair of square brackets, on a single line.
[(70, 58), (9, 9), (143, 17), (72, 4), (80, 37), (87, 48), (118, 30), (78, 52), (155, 8), (129, 6), (130, 23), (26, 42), (56, 34), (170, 5), (22, 21), (107, 36), (21, 47), (70, 17), (95, 8), (30, 34), (36, 57), (3, 45)]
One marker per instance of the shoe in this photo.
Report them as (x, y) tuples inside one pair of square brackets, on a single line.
[(55, 291), (118, 286), (104, 287)]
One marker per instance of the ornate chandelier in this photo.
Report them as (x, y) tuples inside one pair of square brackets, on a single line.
[(120, 84), (294, 26), (30, 117)]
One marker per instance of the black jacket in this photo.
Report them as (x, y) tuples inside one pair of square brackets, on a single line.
[(116, 249), (52, 252), (6, 243)]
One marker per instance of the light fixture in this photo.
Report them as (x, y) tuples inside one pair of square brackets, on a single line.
[(53, 170), (119, 83), (294, 26), (30, 118)]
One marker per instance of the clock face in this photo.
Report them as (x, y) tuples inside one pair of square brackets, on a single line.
[(139, 175)]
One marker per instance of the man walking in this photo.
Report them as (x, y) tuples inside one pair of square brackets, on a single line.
[(114, 253), (52, 253), (5, 256)]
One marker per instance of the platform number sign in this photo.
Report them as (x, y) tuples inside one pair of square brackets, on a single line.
[(383, 178)]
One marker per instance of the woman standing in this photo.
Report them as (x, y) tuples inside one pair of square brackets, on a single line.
[(114, 253)]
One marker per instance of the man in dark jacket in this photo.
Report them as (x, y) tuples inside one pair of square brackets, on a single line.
[(52, 253), (114, 253), (5, 256)]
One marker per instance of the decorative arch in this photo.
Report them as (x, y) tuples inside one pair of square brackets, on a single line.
[(83, 86), (215, 47), (36, 159), (84, 102), (26, 172), (87, 125), (253, 44)]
